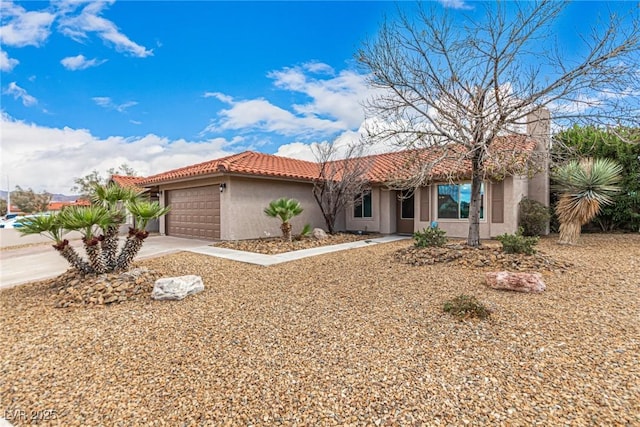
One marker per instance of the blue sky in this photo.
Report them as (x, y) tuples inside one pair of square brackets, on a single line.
[(161, 84)]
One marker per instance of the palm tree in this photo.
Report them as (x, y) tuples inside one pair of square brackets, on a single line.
[(51, 227), (585, 186), (285, 209), (114, 198), (87, 219), (143, 212)]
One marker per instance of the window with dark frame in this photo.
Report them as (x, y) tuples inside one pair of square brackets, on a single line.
[(362, 206), (454, 201)]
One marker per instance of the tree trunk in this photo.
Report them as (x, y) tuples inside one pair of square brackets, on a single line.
[(569, 233), (109, 245), (473, 239), (72, 257), (286, 231), (130, 249), (94, 254)]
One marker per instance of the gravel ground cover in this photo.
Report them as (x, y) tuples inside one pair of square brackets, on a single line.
[(277, 245), (348, 338)]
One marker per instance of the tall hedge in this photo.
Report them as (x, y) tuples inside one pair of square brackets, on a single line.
[(620, 144)]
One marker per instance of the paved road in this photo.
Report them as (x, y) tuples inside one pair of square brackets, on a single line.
[(40, 262)]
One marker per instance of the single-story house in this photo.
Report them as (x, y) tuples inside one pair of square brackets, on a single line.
[(224, 198)]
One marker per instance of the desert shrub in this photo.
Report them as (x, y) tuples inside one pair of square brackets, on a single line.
[(518, 243), (534, 217), (430, 236), (465, 306), (306, 230)]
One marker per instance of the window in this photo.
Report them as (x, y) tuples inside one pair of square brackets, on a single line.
[(362, 206), (454, 201)]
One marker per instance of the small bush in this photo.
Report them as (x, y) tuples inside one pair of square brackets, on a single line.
[(431, 236), (465, 307), (517, 243), (534, 217)]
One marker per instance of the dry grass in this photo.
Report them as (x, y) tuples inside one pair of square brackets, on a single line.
[(349, 338)]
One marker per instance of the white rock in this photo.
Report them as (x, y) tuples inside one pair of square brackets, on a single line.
[(177, 288), (319, 233)]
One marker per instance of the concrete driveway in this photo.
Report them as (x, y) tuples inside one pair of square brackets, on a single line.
[(18, 266)]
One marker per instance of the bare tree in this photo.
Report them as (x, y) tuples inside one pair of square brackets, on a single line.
[(463, 88), (341, 179)]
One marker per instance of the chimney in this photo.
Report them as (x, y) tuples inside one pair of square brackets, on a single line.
[(539, 128)]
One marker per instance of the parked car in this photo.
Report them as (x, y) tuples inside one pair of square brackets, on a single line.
[(15, 222)]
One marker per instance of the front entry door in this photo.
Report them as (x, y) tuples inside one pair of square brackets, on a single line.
[(404, 211)]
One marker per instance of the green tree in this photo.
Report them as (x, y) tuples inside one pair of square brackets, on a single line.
[(85, 185), (620, 144), (28, 201), (3, 207), (584, 186), (458, 82), (285, 209)]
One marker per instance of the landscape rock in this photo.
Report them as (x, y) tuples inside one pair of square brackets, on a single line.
[(519, 282), (319, 234), (73, 289), (177, 288)]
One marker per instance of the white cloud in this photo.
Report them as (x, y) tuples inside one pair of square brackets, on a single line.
[(6, 63), (135, 122), (456, 4), (46, 158), (106, 102), (259, 115), (89, 21), (338, 96), (24, 28), (79, 62), (342, 143), (19, 93), (334, 106)]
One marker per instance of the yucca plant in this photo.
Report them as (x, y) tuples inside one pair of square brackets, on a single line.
[(584, 186), (143, 212), (114, 198), (285, 209), (51, 227), (87, 220)]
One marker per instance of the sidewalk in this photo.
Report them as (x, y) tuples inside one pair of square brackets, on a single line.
[(30, 264)]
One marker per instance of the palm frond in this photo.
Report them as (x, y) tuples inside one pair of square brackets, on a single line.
[(144, 211), (86, 218), (49, 226)]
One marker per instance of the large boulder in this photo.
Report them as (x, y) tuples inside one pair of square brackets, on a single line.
[(319, 234), (519, 282), (177, 288)]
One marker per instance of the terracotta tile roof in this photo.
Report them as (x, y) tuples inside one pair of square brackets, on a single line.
[(247, 162), (56, 206), (127, 181), (445, 161), (508, 154)]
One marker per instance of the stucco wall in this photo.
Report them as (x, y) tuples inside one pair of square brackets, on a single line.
[(243, 201), (515, 188), (365, 224)]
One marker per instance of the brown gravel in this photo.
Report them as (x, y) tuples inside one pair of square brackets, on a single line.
[(276, 245), (349, 338)]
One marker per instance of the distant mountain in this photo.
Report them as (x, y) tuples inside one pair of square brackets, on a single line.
[(54, 197)]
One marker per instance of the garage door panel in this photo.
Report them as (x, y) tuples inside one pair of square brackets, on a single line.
[(195, 213)]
